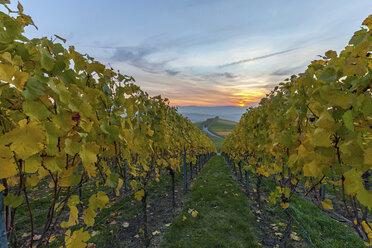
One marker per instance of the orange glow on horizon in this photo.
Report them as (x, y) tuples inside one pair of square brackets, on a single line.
[(231, 102), (237, 96)]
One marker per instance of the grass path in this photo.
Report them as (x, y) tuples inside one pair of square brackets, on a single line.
[(221, 218)]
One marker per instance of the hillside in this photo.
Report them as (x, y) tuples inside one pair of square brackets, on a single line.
[(217, 126), (201, 113)]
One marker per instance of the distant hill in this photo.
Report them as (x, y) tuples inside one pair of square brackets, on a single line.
[(217, 126), (222, 127), (201, 113)]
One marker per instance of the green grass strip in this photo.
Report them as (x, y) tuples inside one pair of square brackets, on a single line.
[(223, 216)]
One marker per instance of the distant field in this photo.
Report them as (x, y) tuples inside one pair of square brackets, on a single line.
[(222, 127)]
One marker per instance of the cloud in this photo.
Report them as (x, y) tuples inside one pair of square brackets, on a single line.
[(171, 72), (257, 58), (225, 75), (288, 71), (138, 57)]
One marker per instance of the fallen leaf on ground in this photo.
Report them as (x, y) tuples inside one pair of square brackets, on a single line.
[(194, 213), (279, 234), (25, 235), (52, 238), (114, 222), (294, 236), (36, 237)]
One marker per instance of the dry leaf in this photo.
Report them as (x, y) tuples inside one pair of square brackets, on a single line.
[(279, 234), (25, 235), (294, 236), (36, 237), (114, 222), (194, 213)]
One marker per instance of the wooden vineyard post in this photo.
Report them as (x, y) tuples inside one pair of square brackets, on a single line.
[(322, 193), (247, 181), (125, 177), (3, 240), (184, 170)]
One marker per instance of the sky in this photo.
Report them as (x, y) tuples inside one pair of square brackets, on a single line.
[(202, 52)]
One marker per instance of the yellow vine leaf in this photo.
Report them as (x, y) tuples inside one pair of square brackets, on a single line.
[(150, 132), (327, 204), (368, 22), (321, 138), (120, 184), (73, 219), (32, 164), (88, 156), (20, 79), (368, 156), (89, 153), (72, 147), (364, 197), (6, 72), (1, 187), (284, 205), (368, 230), (312, 169), (7, 165), (77, 240), (32, 181), (133, 184), (55, 163), (139, 194), (96, 201), (26, 140), (331, 54), (194, 213)]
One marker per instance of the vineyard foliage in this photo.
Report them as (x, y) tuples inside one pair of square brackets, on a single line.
[(316, 128), (68, 120)]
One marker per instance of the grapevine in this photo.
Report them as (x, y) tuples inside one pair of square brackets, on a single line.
[(315, 128), (68, 121)]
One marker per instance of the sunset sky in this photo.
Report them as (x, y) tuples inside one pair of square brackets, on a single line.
[(202, 52)]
